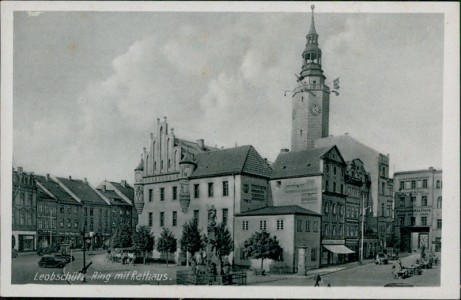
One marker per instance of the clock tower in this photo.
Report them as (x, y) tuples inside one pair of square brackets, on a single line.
[(311, 98)]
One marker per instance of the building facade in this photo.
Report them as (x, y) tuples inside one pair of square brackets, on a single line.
[(381, 217), (24, 206), (418, 209), (178, 181), (296, 229)]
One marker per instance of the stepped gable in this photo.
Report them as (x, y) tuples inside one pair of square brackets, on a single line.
[(238, 160), (56, 190), (278, 210), (82, 190), (299, 163)]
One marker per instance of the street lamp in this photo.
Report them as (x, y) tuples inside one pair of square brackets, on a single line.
[(364, 209), (85, 266)]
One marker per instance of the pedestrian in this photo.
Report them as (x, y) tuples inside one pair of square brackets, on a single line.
[(394, 271), (317, 280)]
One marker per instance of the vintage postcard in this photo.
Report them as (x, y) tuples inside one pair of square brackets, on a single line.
[(222, 149)]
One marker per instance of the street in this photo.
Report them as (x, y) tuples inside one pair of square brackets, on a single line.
[(26, 270)]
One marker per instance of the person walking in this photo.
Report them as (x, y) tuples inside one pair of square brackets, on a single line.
[(317, 280)]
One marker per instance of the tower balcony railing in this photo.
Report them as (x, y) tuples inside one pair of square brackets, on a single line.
[(312, 86)]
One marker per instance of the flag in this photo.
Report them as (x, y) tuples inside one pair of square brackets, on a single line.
[(336, 83)]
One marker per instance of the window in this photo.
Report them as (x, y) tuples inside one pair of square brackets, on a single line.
[(423, 221), (342, 189), (439, 223), (91, 212), (402, 201), (39, 224), (279, 224), (225, 188), (210, 189), (402, 221), (69, 223), (151, 194), (61, 209), (334, 208), (313, 254), (75, 224), (151, 219), (328, 168), (61, 223), (175, 192), (46, 224), (389, 210), (424, 201), (278, 183), (340, 232), (412, 221), (162, 194), (76, 210), (308, 225), (175, 219), (316, 226), (382, 209), (299, 226), (326, 230), (437, 185), (196, 216), (334, 187), (334, 170), (40, 209), (245, 225), (402, 185), (262, 225), (162, 219), (439, 202), (413, 184), (69, 210), (196, 191), (333, 231), (424, 183), (225, 212), (341, 210), (413, 200), (326, 185), (86, 211)]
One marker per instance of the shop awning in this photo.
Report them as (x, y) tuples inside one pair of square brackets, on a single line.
[(340, 249)]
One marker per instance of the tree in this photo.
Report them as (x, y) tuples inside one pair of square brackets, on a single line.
[(122, 237), (166, 243), (220, 239), (191, 240), (143, 240), (262, 246)]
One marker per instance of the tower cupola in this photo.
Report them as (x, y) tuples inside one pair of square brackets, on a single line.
[(312, 55)]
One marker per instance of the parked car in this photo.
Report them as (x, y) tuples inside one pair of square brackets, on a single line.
[(50, 261), (381, 259), (64, 258)]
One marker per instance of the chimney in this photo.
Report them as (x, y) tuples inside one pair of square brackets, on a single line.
[(201, 144), (123, 183), (284, 150), (19, 169), (70, 177), (47, 177), (85, 180)]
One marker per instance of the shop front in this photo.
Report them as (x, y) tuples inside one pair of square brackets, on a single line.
[(24, 241), (335, 252)]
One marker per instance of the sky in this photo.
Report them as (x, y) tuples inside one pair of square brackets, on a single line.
[(88, 87)]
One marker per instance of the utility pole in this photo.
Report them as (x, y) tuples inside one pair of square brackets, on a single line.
[(85, 266), (364, 209)]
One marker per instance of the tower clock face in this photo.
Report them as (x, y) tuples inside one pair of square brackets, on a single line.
[(316, 109)]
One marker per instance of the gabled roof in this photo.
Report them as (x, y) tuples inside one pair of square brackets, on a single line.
[(43, 195), (192, 147), (113, 197), (299, 163), (83, 191), (127, 190), (61, 195), (243, 159), (278, 210)]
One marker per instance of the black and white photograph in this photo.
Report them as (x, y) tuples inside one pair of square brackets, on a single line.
[(224, 149)]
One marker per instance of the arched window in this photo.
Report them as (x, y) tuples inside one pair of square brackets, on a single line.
[(161, 165), (439, 202), (169, 163)]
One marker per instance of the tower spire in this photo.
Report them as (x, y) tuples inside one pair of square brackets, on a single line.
[(312, 29)]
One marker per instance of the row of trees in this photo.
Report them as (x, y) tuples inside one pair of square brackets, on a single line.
[(259, 246)]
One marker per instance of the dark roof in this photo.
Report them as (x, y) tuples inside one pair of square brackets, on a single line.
[(191, 146), (127, 190), (56, 190), (43, 196), (83, 191), (113, 197), (278, 210), (298, 163), (243, 159)]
